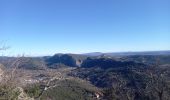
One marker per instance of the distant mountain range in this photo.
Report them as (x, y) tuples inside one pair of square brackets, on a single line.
[(167, 52)]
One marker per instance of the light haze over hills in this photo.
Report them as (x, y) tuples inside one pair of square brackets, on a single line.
[(44, 27)]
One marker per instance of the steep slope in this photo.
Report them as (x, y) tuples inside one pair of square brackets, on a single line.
[(105, 63), (71, 60)]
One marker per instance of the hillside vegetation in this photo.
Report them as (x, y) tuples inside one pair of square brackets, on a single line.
[(78, 77)]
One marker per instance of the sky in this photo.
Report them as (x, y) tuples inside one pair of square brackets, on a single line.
[(46, 27)]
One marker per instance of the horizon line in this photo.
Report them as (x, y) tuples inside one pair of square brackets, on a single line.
[(42, 55)]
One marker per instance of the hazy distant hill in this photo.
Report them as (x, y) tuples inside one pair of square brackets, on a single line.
[(149, 59), (129, 53), (32, 63), (93, 54)]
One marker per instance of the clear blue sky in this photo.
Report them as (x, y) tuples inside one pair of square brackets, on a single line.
[(43, 27)]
